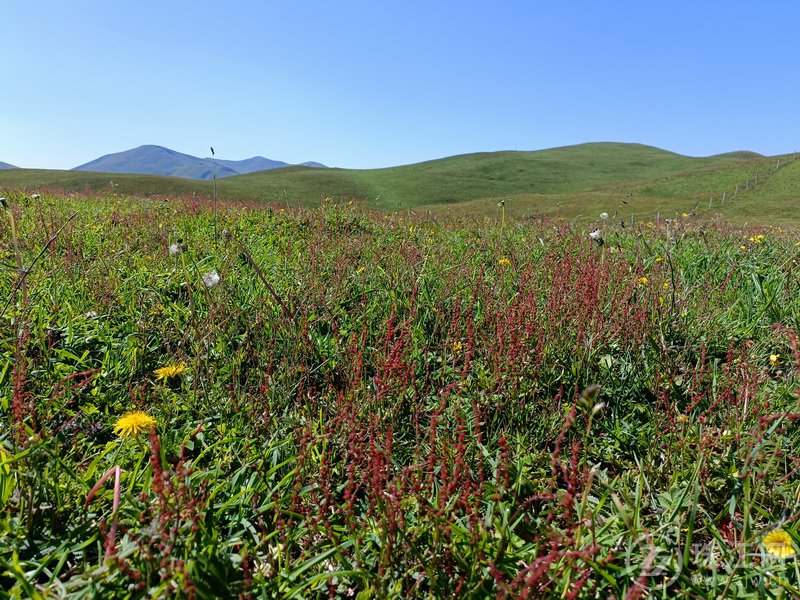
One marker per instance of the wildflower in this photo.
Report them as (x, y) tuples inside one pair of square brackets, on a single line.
[(457, 347), (503, 262), (133, 423), (177, 247), (659, 258), (643, 280), (360, 269), (169, 371), (743, 247), (685, 215), (666, 285), (779, 543), (774, 359), (211, 278)]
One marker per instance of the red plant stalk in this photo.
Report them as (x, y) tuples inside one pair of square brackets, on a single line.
[(117, 472)]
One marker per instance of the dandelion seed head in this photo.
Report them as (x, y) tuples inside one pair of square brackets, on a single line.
[(211, 278)]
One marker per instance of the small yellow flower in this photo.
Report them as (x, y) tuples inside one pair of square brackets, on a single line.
[(779, 543), (134, 423), (360, 269), (685, 215), (774, 359), (457, 347), (659, 258), (643, 280), (169, 371), (503, 262), (666, 285), (743, 247)]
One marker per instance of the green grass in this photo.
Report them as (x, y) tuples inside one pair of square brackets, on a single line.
[(573, 181), (393, 406)]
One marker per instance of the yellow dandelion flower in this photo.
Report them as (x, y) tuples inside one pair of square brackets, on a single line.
[(774, 359), (666, 285), (659, 258), (457, 347), (779, 543), (684, 215), (169, 371), (643, 280), (743, 247), (503, 262), (134, 423)]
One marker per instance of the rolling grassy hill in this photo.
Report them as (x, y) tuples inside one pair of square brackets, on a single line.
[(573, 181)]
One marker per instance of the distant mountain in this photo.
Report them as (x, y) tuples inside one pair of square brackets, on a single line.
[(157, 160), (8, 166)]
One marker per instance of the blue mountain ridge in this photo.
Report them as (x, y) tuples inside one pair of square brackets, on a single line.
[(158, 160)]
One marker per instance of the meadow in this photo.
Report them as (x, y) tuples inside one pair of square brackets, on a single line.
[(334, 402)]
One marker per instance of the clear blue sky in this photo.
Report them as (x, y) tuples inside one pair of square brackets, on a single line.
[(364, 84)]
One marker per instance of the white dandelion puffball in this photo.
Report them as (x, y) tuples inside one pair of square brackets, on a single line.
[(211, 278), (604, 216), (174, 249)]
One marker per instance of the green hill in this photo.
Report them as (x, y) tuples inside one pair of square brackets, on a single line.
[(570, 181)]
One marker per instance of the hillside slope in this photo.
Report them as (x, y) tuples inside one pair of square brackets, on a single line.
[(573, 181)]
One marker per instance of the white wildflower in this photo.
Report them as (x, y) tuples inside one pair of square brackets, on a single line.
[(211, 278), (90, 315)]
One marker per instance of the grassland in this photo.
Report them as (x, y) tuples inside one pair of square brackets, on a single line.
[(344, 403), (576, 182)]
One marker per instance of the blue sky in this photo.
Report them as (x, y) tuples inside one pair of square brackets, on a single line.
[(365, 84)]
